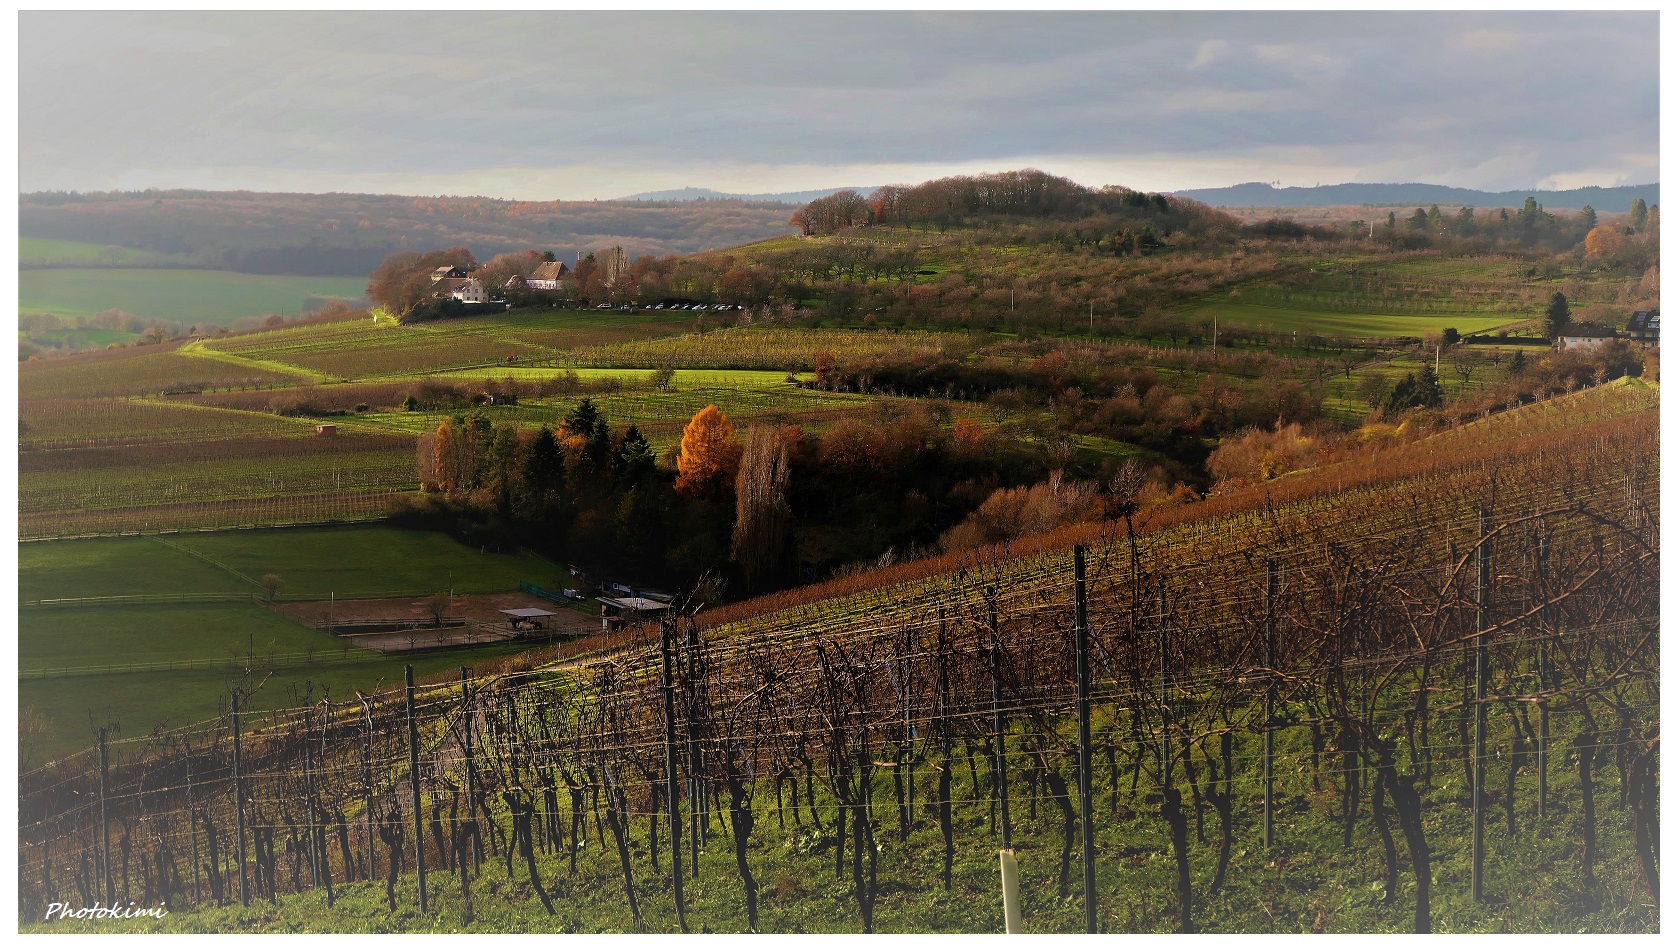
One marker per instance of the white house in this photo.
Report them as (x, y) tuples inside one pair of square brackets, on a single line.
[(1584, 335), (464, 289), (548, 276)]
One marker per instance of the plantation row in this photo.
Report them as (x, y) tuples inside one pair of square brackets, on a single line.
[(1470, 654), (287, 510), (91, 422), (366, 350)]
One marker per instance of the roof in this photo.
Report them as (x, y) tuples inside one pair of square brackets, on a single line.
[(636, 604), (1588, 330), (1644, 319), (527, 613), (549, 271)]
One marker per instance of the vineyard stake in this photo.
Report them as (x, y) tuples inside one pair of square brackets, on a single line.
[(474, 838), (191, 828), (313, 807), (104, 818), (911, 738), (1483, 556), (1271, 694), (238, 798), (366, 788), (1166, 711), (671, 759), (1082, 675), (1003, 784), (1544, 683), (417, 797)]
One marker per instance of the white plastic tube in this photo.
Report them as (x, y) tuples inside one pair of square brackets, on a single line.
[(1008, 877)]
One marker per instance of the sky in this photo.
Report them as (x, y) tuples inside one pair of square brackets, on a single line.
[(581, 106)]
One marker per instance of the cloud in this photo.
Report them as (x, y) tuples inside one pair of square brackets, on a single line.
[(407, 101), (1209, 51)]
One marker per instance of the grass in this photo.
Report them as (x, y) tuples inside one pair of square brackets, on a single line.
[(204, 297), (350, 561), (1307, 882), (366, 349), (42, 251), (1358, 324)]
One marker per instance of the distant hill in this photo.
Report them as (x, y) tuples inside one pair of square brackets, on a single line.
[(349, 234), (704, 194), (1617, 199)]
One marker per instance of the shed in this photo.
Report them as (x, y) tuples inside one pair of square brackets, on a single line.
[(325, 430), (620, 612), (535, 617)]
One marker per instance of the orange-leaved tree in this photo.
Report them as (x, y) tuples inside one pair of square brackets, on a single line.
[(708, 455)]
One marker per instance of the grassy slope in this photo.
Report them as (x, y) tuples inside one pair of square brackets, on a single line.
[(352, 561), (208, 297), (42, 251), (1306, 883)]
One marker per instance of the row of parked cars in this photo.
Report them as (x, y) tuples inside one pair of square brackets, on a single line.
[(693, 307)]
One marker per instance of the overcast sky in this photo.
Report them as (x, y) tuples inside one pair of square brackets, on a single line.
[(599, 105)]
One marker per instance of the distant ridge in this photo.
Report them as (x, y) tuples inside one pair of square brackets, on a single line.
[(704, 194), (1616, 199)]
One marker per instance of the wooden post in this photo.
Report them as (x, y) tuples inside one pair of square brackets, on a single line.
[(104, 818), (308, 788), (1166, 710), (366, 789), (671, 769), (1271, 693), (1082, 676), (465, 715), (911, 741), (417, 795), (1545, 682), (238, 798), (1001, 781), (191, 826), (1483, 579)]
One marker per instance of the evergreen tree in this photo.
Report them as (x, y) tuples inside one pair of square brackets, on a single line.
[(1556, 316), (634, 460), (543, 467), (1589, 217), (1639, 212), (582, 419)]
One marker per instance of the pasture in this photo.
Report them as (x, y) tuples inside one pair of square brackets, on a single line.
[(1314, 318), (314, 563), (204, 297), (42, 251)]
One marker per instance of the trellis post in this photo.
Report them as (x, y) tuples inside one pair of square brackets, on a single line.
[(1483, 578), (1082, 675), (417, 794), (238, 798), (671, 767), (1271, 697)]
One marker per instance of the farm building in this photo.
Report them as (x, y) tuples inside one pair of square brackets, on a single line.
[(1644, 326), (450, 272), (1584, 335), (464, 289), (325, 430), (620, 612), (548, 276)]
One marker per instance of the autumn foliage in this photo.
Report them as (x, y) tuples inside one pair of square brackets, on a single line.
[(708, 455)]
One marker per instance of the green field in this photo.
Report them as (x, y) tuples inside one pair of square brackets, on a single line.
[(204, 297), (1322, 321), (41, 251), (314, 563), (364, 349)]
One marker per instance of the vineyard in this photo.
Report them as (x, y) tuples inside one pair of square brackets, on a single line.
[(363, 349), (1418, 693)]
